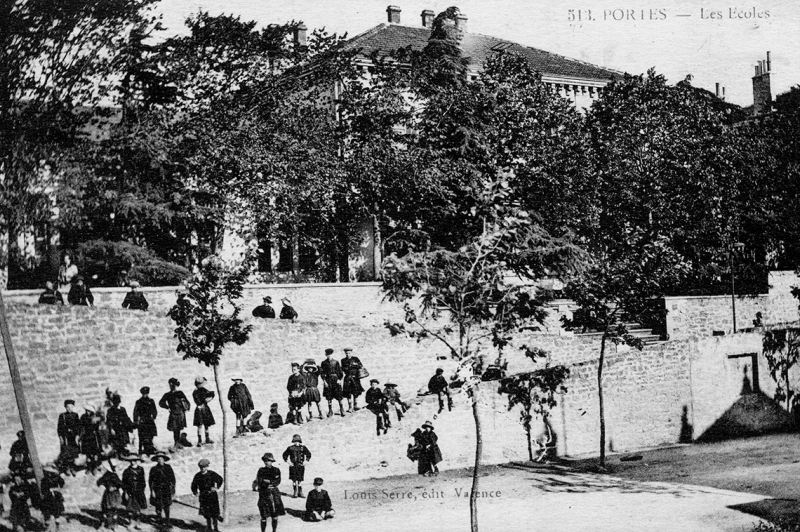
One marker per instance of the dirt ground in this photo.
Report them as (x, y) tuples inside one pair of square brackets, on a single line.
[(766, 465)]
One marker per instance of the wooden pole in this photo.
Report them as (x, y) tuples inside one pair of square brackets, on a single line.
[(22, 405)]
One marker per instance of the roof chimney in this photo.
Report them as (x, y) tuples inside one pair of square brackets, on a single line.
[(394, 14), (427, 18), (762, 87), (461, 22), (300, 32)]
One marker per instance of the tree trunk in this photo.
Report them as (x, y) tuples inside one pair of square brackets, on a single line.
[(530, 447), (473, 496), (295, 253), (224, 448), (600, 397), (376, 248)]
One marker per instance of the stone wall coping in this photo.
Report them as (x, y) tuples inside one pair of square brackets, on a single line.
[(738, 296), (264, 286)]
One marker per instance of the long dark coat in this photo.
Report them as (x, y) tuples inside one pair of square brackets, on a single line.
[(331, 372), (162, 484), (133, 481), (20, 511), (144, 417), (352, 384), (266, 483), (52, 501), (90, 436), (202, 412), (431, 454), (177, 403), (118, 421), (69, 427), (209, 501), (241, 400), (296, 386)]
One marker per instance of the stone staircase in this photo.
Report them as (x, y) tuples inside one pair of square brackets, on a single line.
[(560, 307)]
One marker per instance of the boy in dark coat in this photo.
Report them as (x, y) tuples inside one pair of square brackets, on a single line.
[(275, 419), (296, 386), (203, 418), (298, 454), (270, 504), (134, 485), (205, 485), (351, 386), (119, 425), (69, 425), (376, 403), (438, 385), (111, 503), (311, 394), (241, 403), (144, 418), (162, 485), (264, 311), (52, 503), (318, 503), (176, 402), (331, 372), (134, 299)]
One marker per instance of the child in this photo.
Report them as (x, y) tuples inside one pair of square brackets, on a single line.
[(299, 454), (205, 485), (270, 504), (438, 385), (111, 503), (254, 423), (241, 403), (275, 419), (134, 485), (377, 404), (318, 503), (394, 400), (20, 494), (52, 500), (203, 418)]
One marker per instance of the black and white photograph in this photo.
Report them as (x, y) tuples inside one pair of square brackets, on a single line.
[(476, 266)]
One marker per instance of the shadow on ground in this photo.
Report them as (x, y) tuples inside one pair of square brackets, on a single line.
[(785, 511)]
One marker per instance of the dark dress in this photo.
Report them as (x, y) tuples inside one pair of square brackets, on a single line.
[(209, 501), (202, 412), (311, 393), (162, 484), (296, 387), (297, 455), (331, 372), (352, 384), (69, 427), (80, 295), (318, 501), (52, 501), (266, 483), (112, 496), (275, 421), (135, 301), (177, 404), (288, 313), (241, 400), (133, 481), (144, 417), (264, 311), (20, 511), (90, 436), (120, 424), (430, 454)]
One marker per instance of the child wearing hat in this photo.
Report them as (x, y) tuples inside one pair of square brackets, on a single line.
[(162, 485), (205, 485), (288, 312), (176, 402), (351, 385), (119, 425), (111, 503), (430, 454), (241, 403), (310, 373), (264, 311), (270, 504), (298, 454), (203, 418), (275, 420), (393, 399), (69, 425), (376, 403), (52, 502), (90, 437), (318, 503), (144, 418), (134, 485)]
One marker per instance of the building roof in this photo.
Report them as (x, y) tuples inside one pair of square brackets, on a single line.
[(385, 38)]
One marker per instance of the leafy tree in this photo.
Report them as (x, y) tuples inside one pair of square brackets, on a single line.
[(105, 261), (57, 58), (782, 350), (534, 392), (207, 318)]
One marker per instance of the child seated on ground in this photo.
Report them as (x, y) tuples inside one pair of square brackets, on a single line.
[(275, 419)]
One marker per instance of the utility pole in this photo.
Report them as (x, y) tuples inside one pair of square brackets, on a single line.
[(22, 405)]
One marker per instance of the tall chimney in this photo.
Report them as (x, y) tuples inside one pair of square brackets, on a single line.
[(427, 18), (461, 22), (300, 32), (393, 14), (717, 90), (762, 87)]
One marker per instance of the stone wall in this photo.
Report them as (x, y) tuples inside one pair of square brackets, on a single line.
[(690, 316)]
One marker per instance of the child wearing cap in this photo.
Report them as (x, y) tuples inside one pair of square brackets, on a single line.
[(69, 425), (318, 503), (296, 386), (376, 403), (351, 385), (241, 403), (144, 418), (275, 420), (203, 418), (205, 485), (331, 372), (270, 504), (176, 402), (438, 385), (298, 454)]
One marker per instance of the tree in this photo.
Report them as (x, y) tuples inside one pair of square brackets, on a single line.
[(534, 392), (207, 319), (463, 298), (57, 58)]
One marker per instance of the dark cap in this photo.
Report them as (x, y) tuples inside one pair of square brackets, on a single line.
[(144, 389), (439, 371), (174, 382), (374, 380), (268, 457), (318, 481), (69, 402), (329, 351)]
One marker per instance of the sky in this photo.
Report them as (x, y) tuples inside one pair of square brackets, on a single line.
[(714, 41)]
